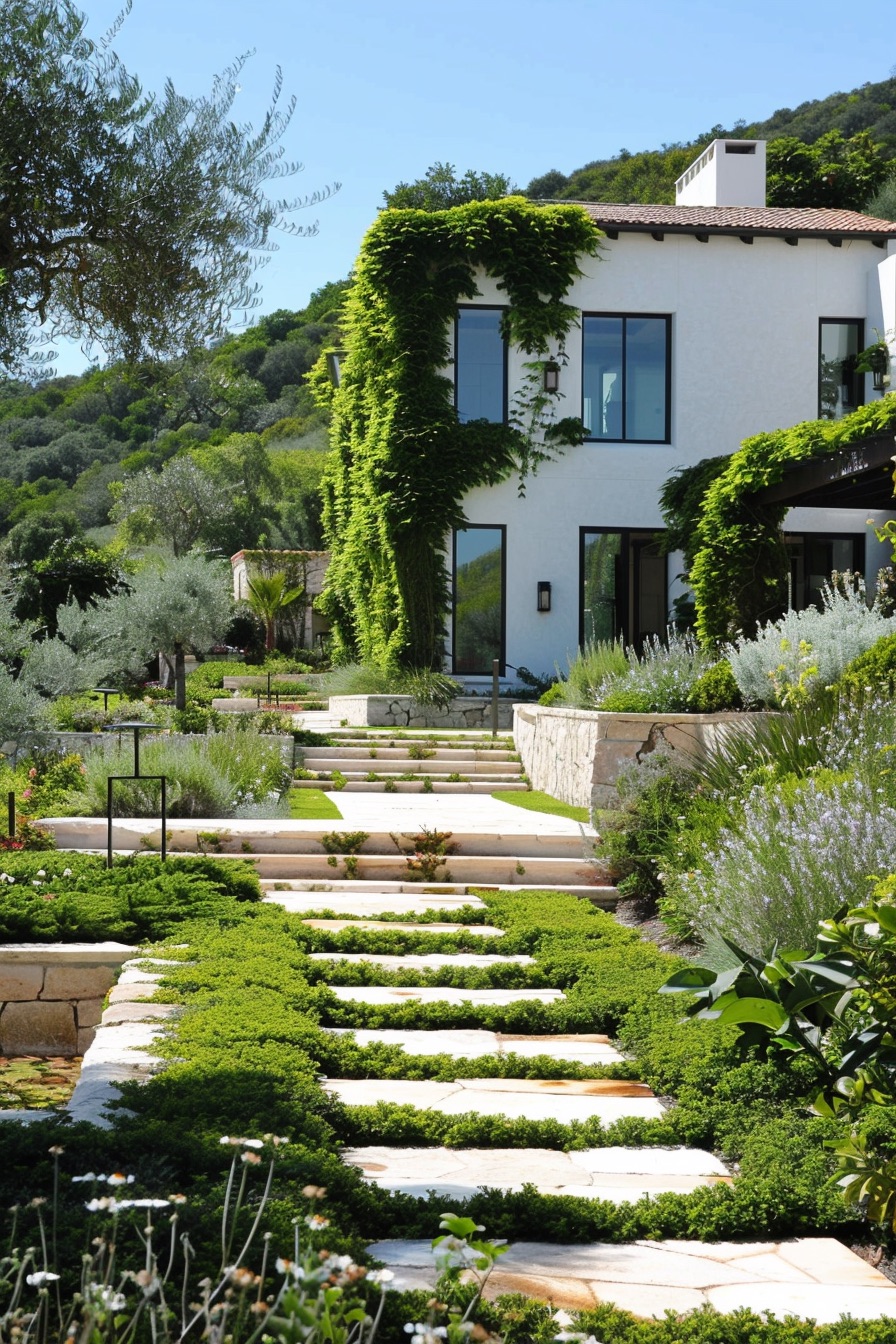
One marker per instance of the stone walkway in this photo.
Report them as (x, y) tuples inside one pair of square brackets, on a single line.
[(817, 1278)]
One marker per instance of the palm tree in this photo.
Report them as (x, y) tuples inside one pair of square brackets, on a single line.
[(268, 597)]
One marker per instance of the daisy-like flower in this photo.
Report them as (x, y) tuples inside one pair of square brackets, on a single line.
[(291, 1268), (106, 1296), (55, 1151), (316, 1222), (88, 1176), (118, 1178), (380, 1276), (143, 1204), (40, 1277), (251, 1158), (105, 1204), (241, 1143)]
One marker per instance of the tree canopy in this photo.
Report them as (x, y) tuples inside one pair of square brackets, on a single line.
[(125, 218), (442, 189)]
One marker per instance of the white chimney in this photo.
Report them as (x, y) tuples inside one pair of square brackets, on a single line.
[(728, 172)]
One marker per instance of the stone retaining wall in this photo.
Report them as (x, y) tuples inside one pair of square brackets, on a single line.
[(51, 995), (401, 711), (576, 754)]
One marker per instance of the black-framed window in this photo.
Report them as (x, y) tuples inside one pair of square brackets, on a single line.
[(480, 365), (840, 388), (626, 377), (479, 598), (623, 586), (814, 557)]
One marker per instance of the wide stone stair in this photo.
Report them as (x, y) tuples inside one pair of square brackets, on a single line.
[(381, 763)]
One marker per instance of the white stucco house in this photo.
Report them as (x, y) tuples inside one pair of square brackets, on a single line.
[(702, 323)]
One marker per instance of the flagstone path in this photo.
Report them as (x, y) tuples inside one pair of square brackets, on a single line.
[(504, 847)]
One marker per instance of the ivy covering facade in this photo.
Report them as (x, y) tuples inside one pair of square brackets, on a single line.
[(738, 562), (402, 461)]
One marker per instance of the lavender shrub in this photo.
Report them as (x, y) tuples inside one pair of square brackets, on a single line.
[(793, 859)]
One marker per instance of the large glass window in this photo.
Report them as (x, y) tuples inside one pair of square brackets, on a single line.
[(480, 365), (625, 378), (478, 599), (623, 586), (840, 388), (814, 557)]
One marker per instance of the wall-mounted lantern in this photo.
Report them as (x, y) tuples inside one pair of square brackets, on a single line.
[(544, 596), (335, 359), (551, 376)]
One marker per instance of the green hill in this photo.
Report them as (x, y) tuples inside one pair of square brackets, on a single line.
[(649, 176)]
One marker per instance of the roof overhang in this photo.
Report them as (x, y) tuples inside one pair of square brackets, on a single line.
[(859, 476)]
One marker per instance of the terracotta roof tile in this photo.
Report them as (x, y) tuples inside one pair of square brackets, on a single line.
[(737, 219)]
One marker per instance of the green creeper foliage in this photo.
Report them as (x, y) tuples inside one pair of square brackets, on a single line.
[(402, 462), (739, 566)]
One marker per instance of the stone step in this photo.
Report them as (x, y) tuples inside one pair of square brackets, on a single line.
[(423, 961), (479, 739), (357, 899), (347, 897), (303, 839), (464, 869), (811, 1277), (562, 1100), (390, 926), (355, 785), (380, 755), (358, 767), (483, 998), (471, 1043), (615, 1174)]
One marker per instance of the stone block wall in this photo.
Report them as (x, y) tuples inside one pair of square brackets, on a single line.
[(51, 995), (576, 754), (401, 711)]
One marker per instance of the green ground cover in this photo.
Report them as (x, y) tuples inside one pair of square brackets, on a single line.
[(312, 805), (536, 801), (247, 1054)]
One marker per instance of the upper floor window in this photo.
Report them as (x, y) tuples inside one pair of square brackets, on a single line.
[(626, 378), (840, 388), (480, 365)]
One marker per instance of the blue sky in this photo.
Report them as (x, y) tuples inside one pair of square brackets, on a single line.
[(384, 88)]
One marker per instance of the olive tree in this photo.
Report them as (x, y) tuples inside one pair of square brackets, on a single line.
[(127, 218), (183, 608)]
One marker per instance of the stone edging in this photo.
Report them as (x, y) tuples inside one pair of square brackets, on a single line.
[(122, 1046)]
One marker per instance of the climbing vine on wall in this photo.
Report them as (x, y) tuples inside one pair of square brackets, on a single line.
[(738, 562), (402, 461)]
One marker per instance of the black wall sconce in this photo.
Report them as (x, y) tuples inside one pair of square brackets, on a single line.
[(544, 596), (551, 376)]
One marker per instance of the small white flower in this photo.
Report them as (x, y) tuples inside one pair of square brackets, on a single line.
[(66, 872), (380, 1276), (119, 1178), (41, 872), (872, 930), (105, 1204), (316, 1222), (88, 1176), (40, 1277), (143, 1204)]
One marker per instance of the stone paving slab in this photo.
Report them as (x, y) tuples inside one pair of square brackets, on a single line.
[(492, 998), (368, 902), (615, 1174), (527, 1100), (467, 1044), (423, 961), (451, 812), (813, 1278), (392, 926)]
